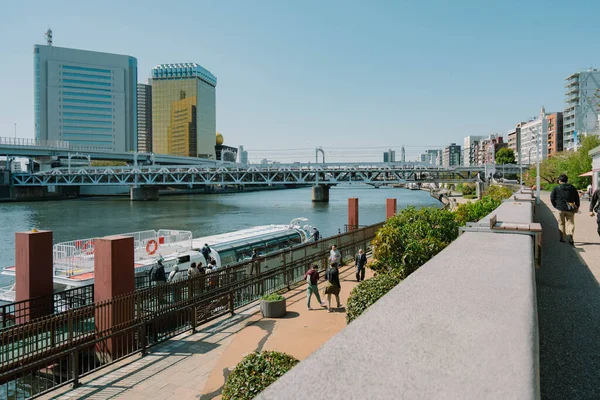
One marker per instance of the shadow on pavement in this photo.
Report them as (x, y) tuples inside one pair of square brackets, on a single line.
[(568, 298)]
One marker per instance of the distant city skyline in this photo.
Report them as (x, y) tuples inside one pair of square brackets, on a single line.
[(356, 79)]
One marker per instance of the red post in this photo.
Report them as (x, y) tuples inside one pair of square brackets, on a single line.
[(34, 266), (352, 213), (390, 208), (113, 277)]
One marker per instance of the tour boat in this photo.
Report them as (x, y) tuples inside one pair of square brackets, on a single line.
[(74, 260)]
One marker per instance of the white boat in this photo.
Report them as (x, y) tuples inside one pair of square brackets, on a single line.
[(74, 260)]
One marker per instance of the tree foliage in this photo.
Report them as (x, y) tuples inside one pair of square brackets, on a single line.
[(571, 163), (505, 156), (255, 372)]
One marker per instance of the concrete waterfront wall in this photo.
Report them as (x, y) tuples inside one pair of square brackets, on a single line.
[(463, 326)]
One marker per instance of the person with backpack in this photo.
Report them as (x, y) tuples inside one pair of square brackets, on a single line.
[(206, 252), (595, 207), (333, 286), (312, 280), (565, 199), (360, 262)]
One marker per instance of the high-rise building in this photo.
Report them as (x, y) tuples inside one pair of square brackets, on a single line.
[(85, 97), (555, 133), (451, 155), (432, 157), (514, 140), (469, 149), (582, 98), (402, 154), (242, 155), (144, 117), (183, 110), (531, 132), (389, 156)]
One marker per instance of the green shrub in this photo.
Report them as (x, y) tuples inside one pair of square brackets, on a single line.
[(369, 291), (468, 189), (412, 237), (255, 372), (474, 211), (470, 196), (273, 297), (498, 193), (548, 186)]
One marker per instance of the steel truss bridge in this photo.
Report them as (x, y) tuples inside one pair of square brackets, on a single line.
[(375, 174)]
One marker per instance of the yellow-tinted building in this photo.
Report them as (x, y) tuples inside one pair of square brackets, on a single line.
[(181, 134), (183, 98)]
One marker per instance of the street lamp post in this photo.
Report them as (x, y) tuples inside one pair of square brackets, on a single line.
[(15, 133)]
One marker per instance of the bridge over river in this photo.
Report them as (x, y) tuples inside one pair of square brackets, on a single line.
[(145, 181)]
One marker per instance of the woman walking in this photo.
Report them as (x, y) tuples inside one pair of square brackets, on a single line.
[(312, 280), (333, 285)]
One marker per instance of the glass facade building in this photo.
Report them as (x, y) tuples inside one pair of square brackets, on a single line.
[(183, 110), (86, 98)]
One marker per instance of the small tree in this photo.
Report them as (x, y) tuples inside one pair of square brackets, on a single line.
[(505, 156)]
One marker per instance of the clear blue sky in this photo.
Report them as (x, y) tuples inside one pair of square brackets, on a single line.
[(339, 74)]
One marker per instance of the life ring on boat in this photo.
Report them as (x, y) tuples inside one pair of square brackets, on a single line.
[(88, 247), (151, 247)]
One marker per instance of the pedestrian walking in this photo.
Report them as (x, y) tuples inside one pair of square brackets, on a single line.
[(565, 199), (590, 192), (333, 286), (595, 207), (174, 277), (360, 262), (312, 280), (334, 256)]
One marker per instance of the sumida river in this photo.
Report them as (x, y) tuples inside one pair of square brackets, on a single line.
[(203, 215)]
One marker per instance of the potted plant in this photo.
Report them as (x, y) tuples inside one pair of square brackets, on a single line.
[(273, 306)]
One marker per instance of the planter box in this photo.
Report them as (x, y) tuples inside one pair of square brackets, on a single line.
[(273, 309)]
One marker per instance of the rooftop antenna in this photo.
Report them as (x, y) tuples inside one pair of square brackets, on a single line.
[(48, 36)]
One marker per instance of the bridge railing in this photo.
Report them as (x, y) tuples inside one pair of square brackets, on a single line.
[(58, 144)]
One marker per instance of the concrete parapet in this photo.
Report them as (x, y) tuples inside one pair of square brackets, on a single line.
[(463, 326)]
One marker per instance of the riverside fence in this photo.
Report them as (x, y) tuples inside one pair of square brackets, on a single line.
[(43, 354)]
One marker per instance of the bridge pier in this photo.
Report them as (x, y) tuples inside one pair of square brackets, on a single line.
[(320, 193), (143, 193)]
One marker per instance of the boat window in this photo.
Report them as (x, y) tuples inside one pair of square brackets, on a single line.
[(183, 259), (228, 257)]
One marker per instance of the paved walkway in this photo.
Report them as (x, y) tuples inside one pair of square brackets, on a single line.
[(196, 366), (568, 298)]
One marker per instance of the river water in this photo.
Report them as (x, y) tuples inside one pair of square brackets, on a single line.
[(203, 215)]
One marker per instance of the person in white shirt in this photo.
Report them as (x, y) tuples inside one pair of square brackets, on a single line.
[(335, 256)]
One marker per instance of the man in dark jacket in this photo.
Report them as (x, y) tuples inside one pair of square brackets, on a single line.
[(360, 262), (565, 199), (595, 207)]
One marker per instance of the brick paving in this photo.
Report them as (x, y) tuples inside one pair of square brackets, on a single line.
[(195, 366)]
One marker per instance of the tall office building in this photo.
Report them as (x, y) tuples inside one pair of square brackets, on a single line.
[(451, 155), (555, 133), (85, 97), (242, 155), (432, 157), (144, 117), (581, 116), (469, 149), (183, 110), (389, 156)]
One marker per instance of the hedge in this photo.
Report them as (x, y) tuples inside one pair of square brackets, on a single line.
[(369, 291), (255, 372)]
